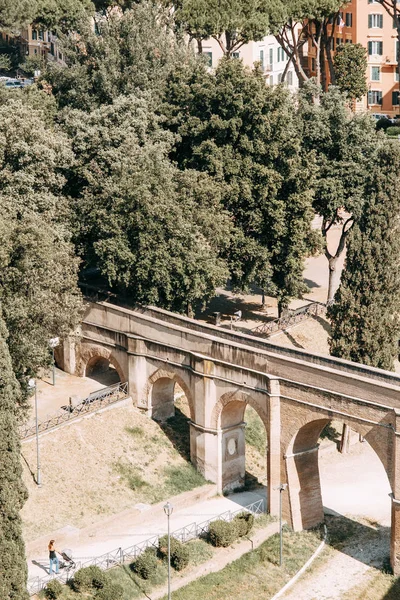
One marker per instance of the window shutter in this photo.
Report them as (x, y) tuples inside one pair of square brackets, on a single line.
[(369, 48), (369, 21), (381, 21), (380, 47)]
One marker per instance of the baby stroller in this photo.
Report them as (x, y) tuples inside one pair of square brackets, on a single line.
[(67, 562)]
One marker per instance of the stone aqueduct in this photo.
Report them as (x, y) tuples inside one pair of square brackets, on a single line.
[(295, 393)]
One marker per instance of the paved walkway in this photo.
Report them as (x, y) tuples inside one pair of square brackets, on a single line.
[(135, 526)]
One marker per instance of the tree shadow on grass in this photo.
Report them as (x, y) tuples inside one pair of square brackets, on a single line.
[(177, 430)]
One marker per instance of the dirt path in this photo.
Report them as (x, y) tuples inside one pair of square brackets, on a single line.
[(343, 569)]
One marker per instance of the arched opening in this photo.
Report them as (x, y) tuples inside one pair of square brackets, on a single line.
[(349, 491), (244, 444), (171, 408), (102, 370), (255, 450)]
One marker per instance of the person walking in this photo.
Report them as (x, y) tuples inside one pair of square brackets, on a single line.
[(53, 557)]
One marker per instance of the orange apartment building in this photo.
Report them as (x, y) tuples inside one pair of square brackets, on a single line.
[(366, 22)]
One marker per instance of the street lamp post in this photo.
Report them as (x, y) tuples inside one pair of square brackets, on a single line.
[(168, 508), (33, 385), (281, 487), (53, 343)]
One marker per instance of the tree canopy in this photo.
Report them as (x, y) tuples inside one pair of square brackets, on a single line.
[(247, 137), (154, 232), (38, 274), (135, 52), (365, 315), (345, 146), (231, 23), (13, 494), (350, 64)]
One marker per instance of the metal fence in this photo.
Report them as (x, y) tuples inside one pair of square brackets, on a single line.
[(93, 402), (292, 318), (123, 555)]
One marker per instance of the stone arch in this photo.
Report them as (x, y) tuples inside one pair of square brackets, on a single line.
[(228, 417), (165, 381), (304, 506), (241, 400), (90, 353)]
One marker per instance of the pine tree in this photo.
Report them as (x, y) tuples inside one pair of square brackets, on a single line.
[(13, 568), (365, 316)]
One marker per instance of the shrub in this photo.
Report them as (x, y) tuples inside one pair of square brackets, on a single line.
[(393, 131), (53, 589), (111, 591), (222, 534), (89, 578), (179, 552), (383, 123), (244, 523), (146, 564)]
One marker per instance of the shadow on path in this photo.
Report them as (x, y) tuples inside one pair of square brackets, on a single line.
[(368, 541)]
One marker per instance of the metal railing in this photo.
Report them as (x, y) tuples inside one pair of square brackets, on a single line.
[(93, 402), (292, 318), (119, 556)]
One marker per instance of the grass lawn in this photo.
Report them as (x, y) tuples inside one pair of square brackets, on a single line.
[(256, 574)]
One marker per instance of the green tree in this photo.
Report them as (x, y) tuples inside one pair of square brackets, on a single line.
[(296, 23), (32, 64), (350, 64), (246, 135), (5, 62), (232, 24), (14, 14), (38, 278), (135, 52), (365, 315), (61, 15), (345, 146), (155, 232), (13, 568)]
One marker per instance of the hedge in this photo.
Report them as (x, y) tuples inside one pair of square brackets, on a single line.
[(89, 578), (179, 552), (222, 534), (244, 523), (146, 563), (53, 590)]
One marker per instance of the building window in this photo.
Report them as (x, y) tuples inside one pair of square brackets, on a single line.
[(339, 42), (281, 54), (375, 47), (235, 55), (349, 19), (52, 48), (375, 73), (34, 34), (313, 64), (279, 77), (396, 76), (395, 98), (271, 57), (208, 57), (41, 35), (262, 58), (375, 21), (349, 41), (290, 77), (374, 97), (271, 80), (59, 56)]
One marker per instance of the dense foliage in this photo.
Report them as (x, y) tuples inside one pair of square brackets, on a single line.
[(247, 137), (365, 316), (13, 568), (350, 64)]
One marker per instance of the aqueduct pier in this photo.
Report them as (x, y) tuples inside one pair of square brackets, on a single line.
[(294, 392)]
